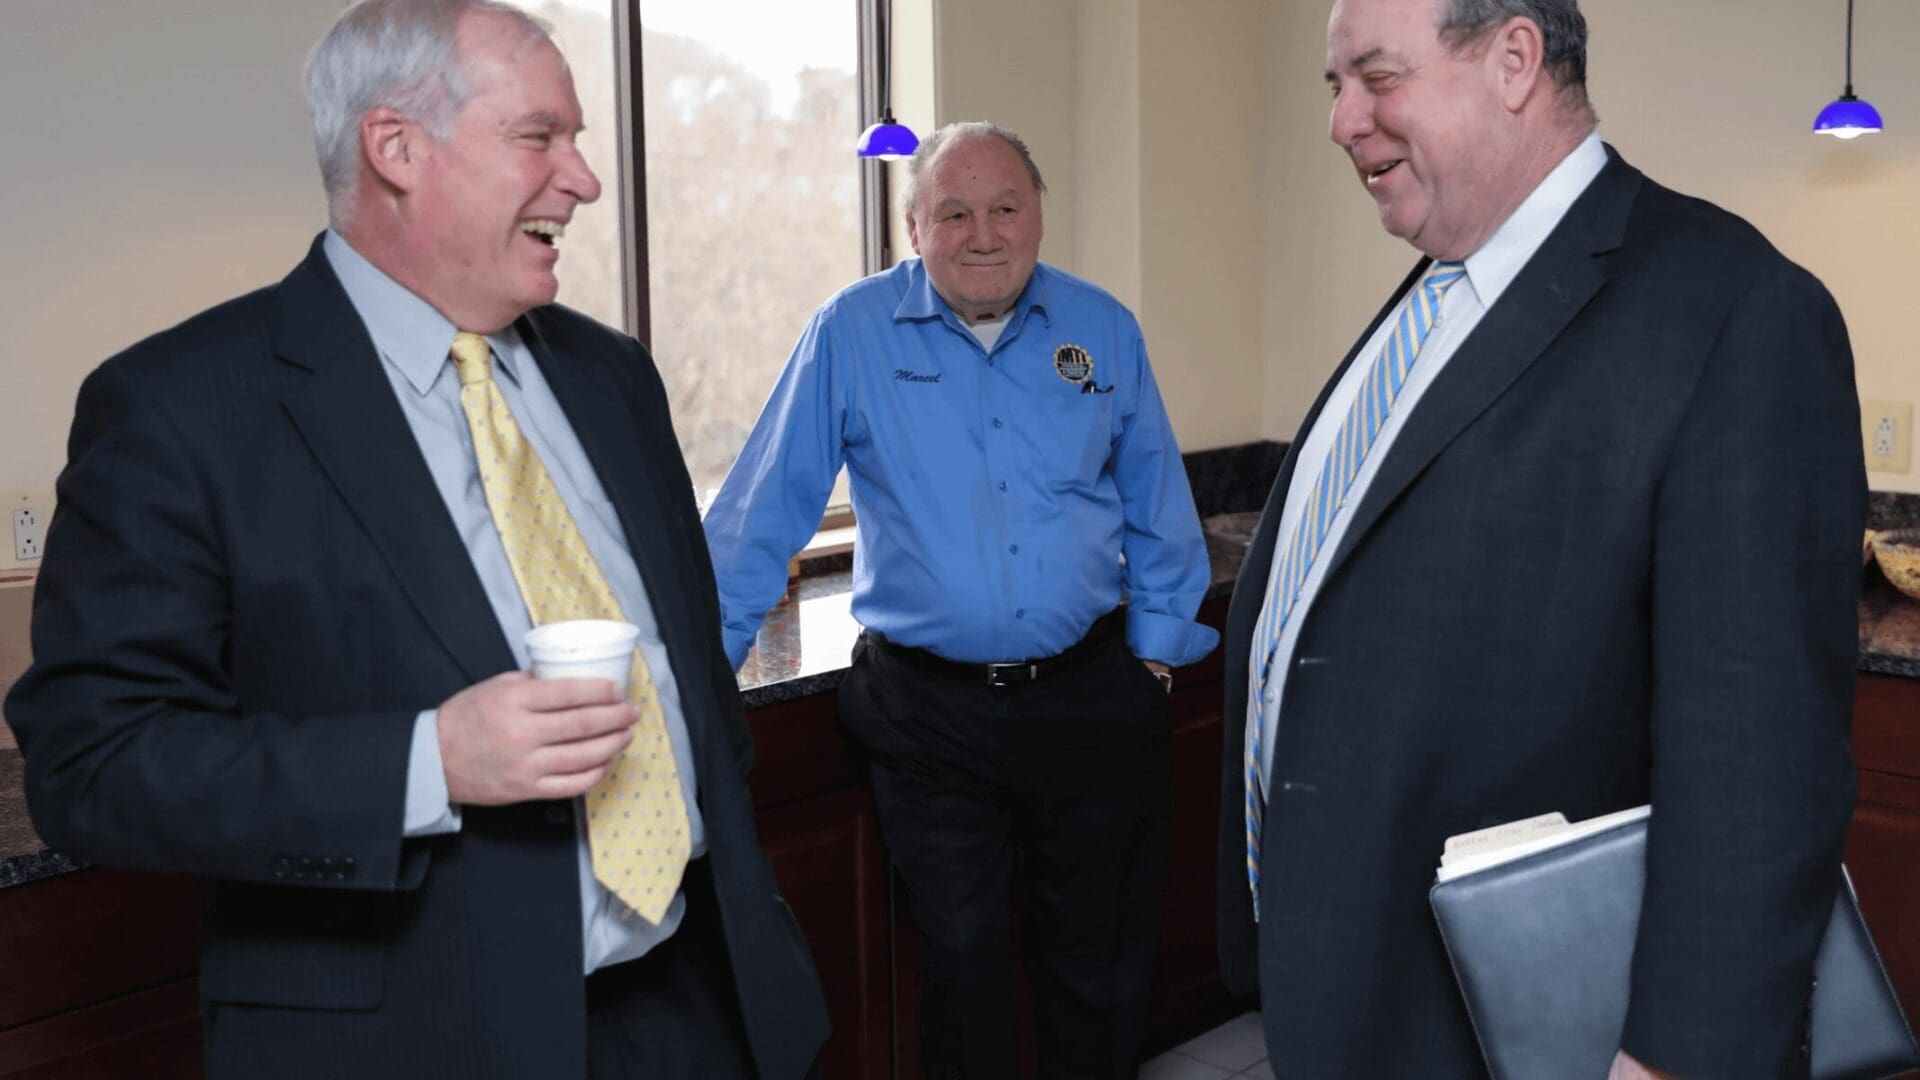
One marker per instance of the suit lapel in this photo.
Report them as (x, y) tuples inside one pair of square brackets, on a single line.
[(1250, 587), (346, 413), (1556, 284), (635, 477)]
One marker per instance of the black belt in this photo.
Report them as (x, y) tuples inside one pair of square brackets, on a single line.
[(1013, 672)]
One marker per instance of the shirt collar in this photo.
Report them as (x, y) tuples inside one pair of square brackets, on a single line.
[(920, 301), (409, 332), (1492, 268)]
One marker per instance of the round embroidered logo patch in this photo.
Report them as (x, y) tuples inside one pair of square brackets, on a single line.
[(1073, 363)]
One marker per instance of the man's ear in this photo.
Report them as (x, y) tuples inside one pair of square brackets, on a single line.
[(913, 232), (392, 146), (1519, 51)]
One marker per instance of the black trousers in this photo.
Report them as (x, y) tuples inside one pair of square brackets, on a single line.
[(1066, 777), (674, 1013)]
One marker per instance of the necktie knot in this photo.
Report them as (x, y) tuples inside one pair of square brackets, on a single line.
[(472, 358), (1442, 275)]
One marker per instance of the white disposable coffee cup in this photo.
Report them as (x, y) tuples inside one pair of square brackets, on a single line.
[(583, 649)]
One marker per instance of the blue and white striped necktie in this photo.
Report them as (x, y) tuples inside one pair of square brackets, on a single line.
[(1416, 318)]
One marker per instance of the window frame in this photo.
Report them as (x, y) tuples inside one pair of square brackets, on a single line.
[(876, 232)]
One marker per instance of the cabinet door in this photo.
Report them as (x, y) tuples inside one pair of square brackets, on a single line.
[(827, 857), (1883, 857), (1883, 842), (99, 977), (1187, 995)]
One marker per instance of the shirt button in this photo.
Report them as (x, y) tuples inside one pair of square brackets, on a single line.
[(1013, 549), (996, 421), (1273, 696), (1003, 485), (1020, 613)]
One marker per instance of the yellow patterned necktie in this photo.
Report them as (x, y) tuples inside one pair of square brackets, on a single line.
[(636, 817)]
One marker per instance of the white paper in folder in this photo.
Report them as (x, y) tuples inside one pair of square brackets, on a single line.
[(1483, 848)]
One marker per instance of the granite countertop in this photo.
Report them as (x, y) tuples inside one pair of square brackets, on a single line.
[(803, 648), (1889, 628)]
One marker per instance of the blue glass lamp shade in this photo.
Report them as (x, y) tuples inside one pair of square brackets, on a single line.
[(887, 140), (1847, 118)]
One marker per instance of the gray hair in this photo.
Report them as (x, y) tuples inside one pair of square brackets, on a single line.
[(1563, 33), (396, 53), (941, 138)]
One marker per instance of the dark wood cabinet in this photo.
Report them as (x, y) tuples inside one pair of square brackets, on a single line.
[(816, 823), (1883, 844), (1187, 995), (98, 980)]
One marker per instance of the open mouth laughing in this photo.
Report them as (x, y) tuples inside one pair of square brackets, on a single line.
[(544, 231)]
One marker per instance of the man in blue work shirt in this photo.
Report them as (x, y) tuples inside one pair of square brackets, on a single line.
[(1014, 480)]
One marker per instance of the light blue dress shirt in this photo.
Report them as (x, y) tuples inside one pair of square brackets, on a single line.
[(1489, 271), (413, 340), (1003, 501)]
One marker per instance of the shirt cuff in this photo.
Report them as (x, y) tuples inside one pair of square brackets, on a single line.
[(1173, 641), (428, 811)]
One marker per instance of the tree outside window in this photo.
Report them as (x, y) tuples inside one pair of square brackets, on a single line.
[(752, 207)]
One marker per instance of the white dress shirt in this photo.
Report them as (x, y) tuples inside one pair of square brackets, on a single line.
[(1489, 271)]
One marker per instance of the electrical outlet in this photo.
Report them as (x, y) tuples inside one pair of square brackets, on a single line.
[(27, 511), (1886, 431)]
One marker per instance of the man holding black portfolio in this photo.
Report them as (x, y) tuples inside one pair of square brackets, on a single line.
[(1573, 528)]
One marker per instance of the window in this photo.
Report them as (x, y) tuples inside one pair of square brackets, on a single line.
[(752, 193)]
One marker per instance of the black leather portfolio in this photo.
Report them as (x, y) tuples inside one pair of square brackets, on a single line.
[(1541, 935)]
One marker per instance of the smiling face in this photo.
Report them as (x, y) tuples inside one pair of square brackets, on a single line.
[(976, 226), (490, 202), (1427, 131)]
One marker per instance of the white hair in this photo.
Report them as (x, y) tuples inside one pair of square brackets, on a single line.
[(396, 53), (954, 134)]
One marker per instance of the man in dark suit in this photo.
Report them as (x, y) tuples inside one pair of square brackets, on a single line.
[(278, 630), (1574, 527)]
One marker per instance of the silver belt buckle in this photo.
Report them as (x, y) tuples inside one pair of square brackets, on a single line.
[(997, 673)]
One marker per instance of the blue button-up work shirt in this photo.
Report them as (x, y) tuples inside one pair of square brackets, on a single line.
[(1005, 499)]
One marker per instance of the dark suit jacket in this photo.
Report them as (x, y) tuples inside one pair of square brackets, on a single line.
[(1611, 559), (251, 587)]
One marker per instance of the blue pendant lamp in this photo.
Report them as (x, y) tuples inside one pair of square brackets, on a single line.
[(1848, 117), (888, 140)]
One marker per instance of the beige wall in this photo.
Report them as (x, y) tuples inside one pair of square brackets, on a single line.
[(1145, 118), (1848, 211), (157, 162)]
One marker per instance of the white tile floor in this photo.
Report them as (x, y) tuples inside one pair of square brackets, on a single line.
[(1234, 1049)]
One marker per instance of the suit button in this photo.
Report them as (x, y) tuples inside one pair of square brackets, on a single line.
[(280, 873), (346, 861), (326, 862), (559, 814)]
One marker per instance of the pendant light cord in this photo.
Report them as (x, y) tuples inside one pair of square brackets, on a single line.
[(1849, 92), (886, 55)]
